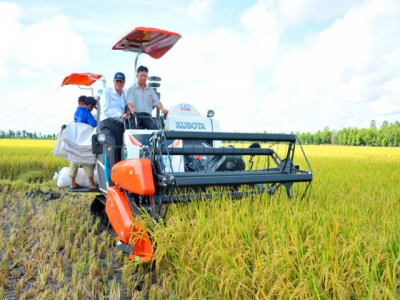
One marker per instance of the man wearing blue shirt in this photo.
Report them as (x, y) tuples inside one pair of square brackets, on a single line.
[(112, 114), (83, 115)]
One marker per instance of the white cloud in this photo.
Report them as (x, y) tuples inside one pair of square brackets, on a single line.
[(388, 103), (198, 8), (346, 67), (341, 72), (296, 11), (207, 73), (46, 47), (9, 14), (43, 53), (328, 83), (42, 109), (259, 18), (262, 36)]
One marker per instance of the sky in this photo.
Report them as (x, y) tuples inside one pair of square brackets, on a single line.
[(268, 65)]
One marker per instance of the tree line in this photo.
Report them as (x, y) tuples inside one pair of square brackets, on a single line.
[(388, 135), (23, 134)]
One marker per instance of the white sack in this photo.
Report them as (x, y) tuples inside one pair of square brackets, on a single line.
[(59, 148), (79, 136), (70, 149)]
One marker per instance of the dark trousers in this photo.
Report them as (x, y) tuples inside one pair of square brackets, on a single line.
[(142, 121), (113, 131)]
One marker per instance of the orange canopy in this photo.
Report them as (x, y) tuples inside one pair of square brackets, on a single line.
[(81, 79), (152, 41)]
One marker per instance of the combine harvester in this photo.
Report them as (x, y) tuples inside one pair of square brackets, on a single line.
[(189, 158)]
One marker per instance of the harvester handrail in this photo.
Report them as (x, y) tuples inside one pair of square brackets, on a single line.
[(231, 136), (216, 151)]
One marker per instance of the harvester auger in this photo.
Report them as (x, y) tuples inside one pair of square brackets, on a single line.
[(187, 159), (200, 166)]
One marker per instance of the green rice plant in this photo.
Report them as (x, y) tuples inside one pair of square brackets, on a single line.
[(338, 243), (19, 286), (31, 161), (43, 273), (115, 290)]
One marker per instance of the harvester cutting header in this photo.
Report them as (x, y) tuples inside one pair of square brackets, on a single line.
[(187, 158)]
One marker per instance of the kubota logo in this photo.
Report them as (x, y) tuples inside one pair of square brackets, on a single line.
[(190, 125)]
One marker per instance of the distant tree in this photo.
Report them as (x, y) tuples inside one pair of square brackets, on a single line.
[(326, 136)]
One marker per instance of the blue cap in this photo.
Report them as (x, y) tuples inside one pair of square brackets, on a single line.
[(91, 100), (119, 75)]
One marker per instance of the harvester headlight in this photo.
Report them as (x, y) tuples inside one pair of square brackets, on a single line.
[(97, 143)]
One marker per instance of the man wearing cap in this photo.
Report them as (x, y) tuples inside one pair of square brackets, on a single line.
[(141, 99), (83, 115), (112, 117)]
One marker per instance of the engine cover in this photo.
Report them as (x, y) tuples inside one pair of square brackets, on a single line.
[(134, 175)]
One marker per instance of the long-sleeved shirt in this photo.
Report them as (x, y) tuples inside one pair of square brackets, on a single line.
[(83, 115), (112, 105)]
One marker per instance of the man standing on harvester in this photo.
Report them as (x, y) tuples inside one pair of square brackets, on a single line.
[(141, 99), (81, 100), (83, 115)]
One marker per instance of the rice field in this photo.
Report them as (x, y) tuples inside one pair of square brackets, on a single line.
[(340, 242), (28, 160)]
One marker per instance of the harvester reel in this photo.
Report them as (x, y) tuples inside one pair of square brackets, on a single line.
[(285, 166), (272, 189)]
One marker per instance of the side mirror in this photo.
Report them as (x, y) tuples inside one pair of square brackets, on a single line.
[(210, 113), (97, 143)]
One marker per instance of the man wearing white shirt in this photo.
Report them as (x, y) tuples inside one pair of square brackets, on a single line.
[(112, 117)]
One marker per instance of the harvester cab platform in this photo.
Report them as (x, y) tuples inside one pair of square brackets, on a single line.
[(188, 158)]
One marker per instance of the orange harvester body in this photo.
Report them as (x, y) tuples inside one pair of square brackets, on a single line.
[(133, 175)]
